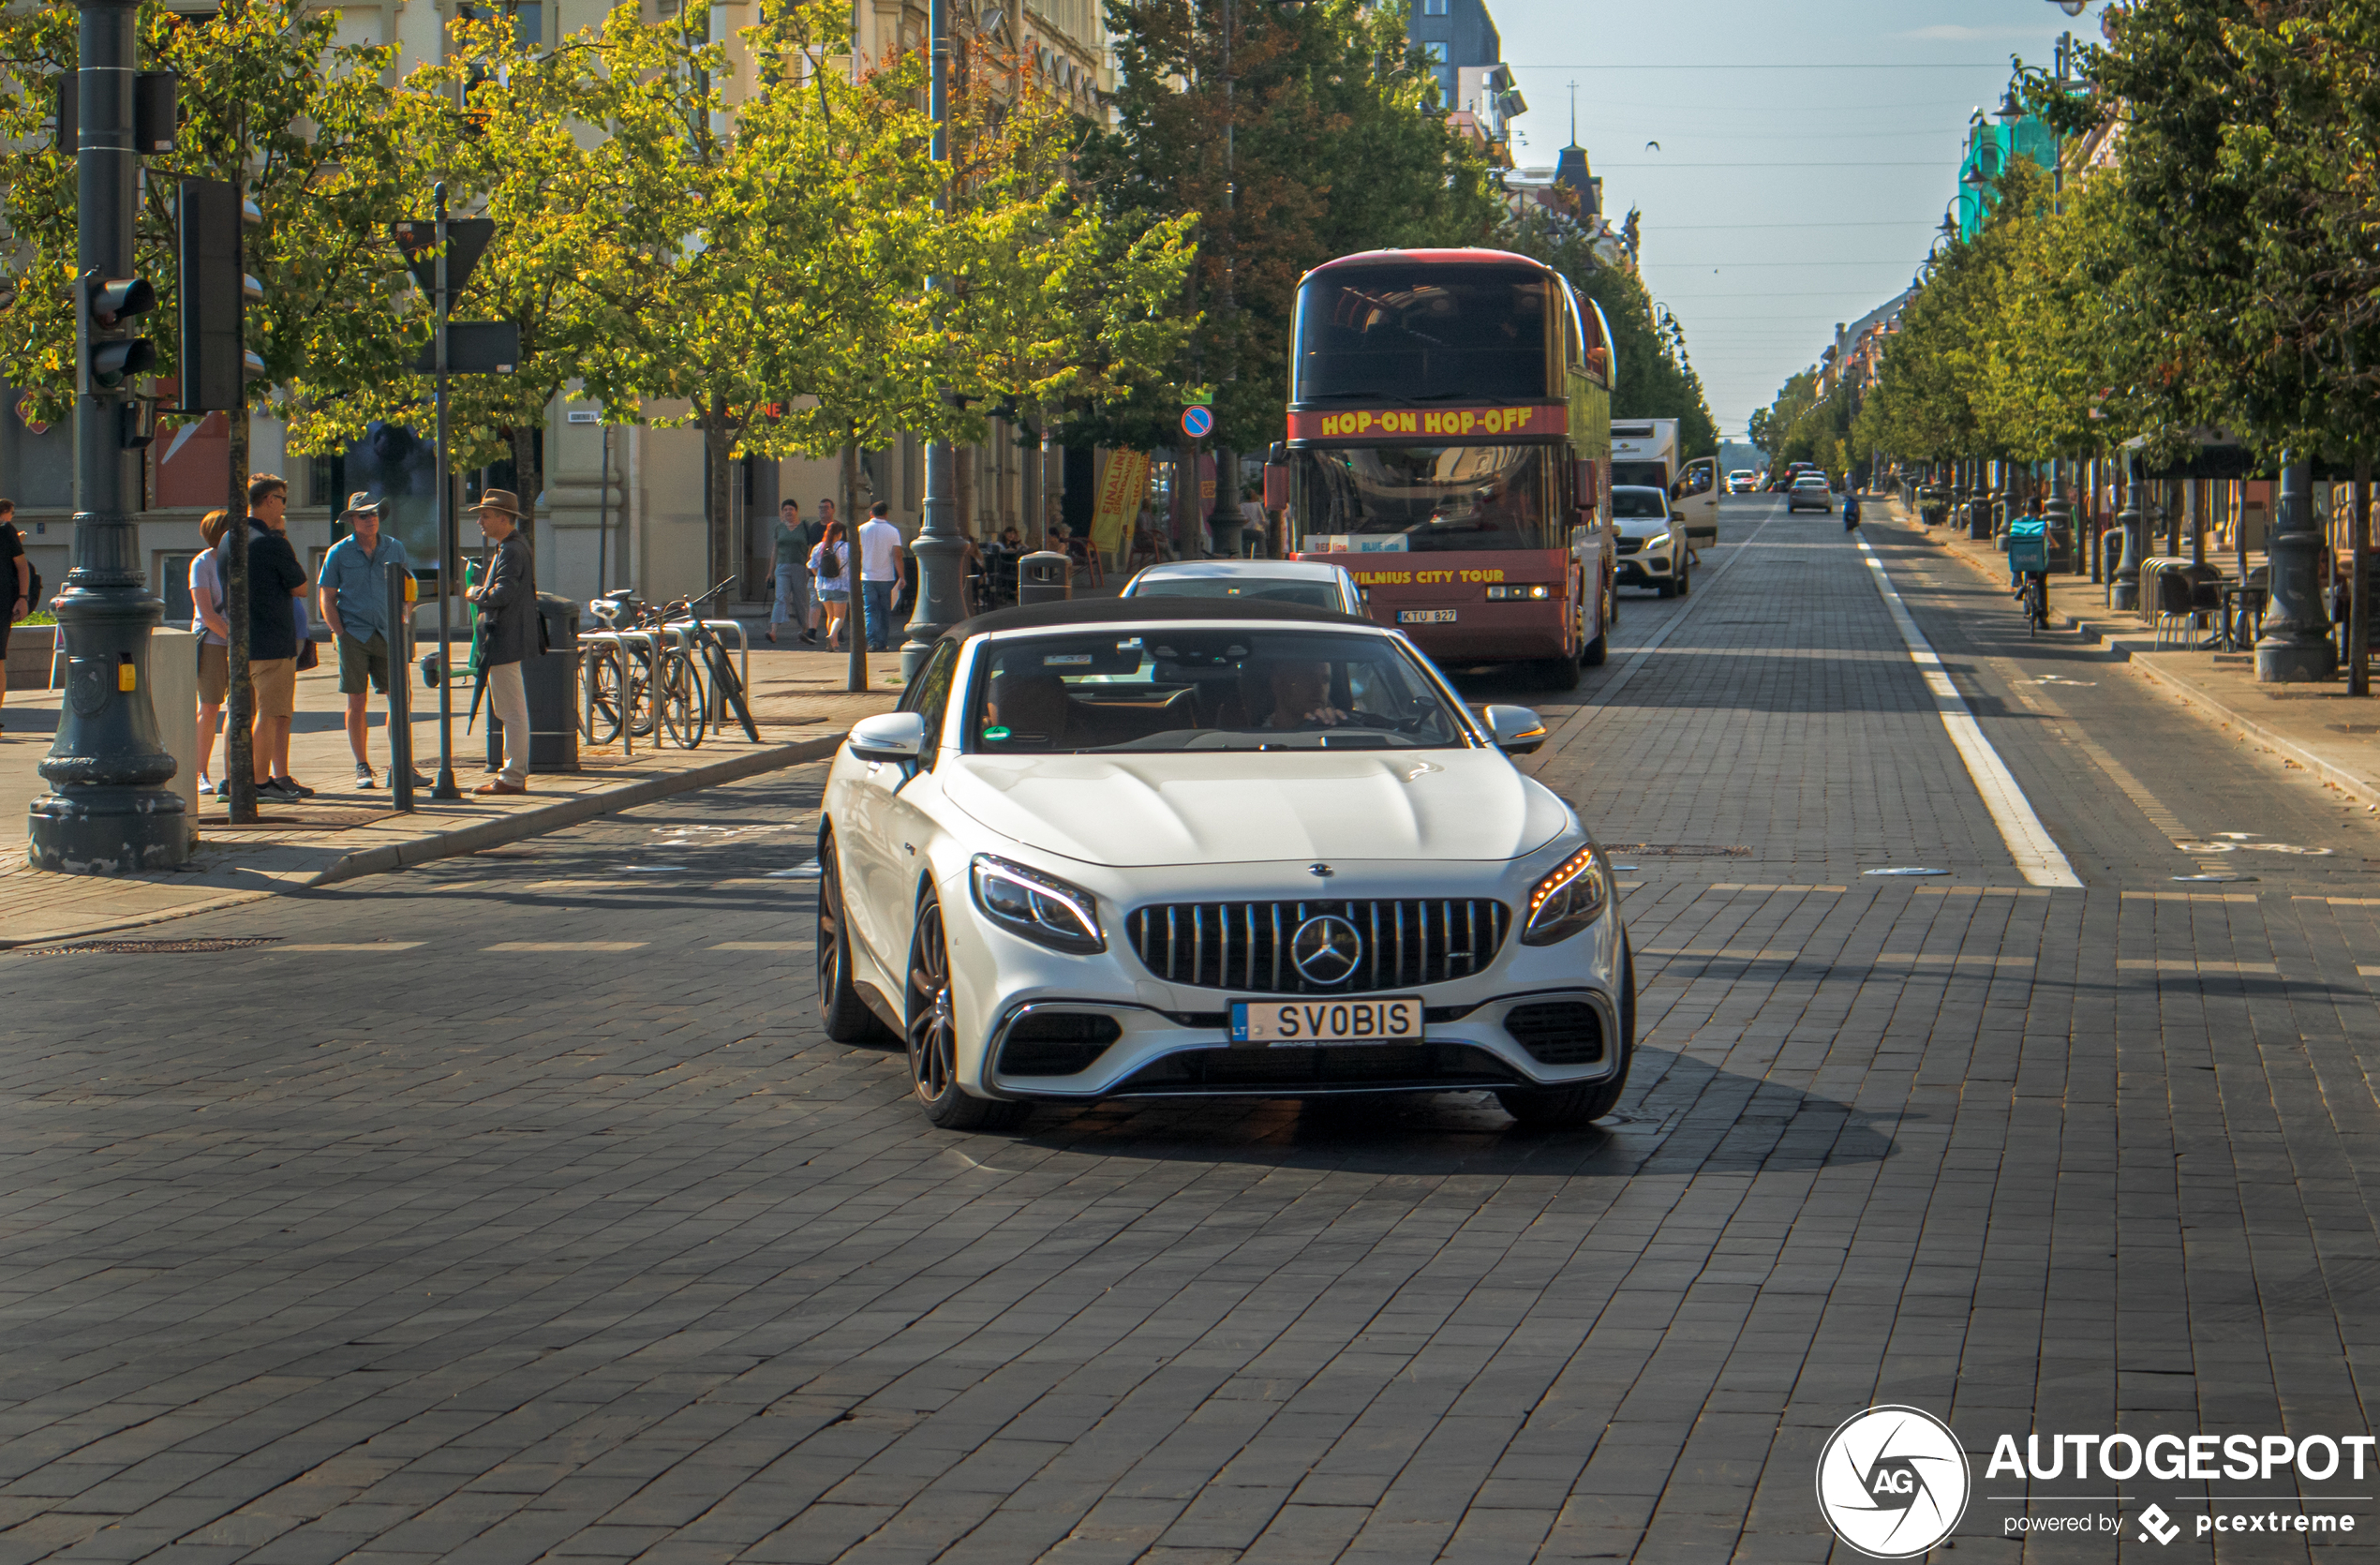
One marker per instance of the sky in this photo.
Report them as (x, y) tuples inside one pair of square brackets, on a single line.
[(1805, 151)]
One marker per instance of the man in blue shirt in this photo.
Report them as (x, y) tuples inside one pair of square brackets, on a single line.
[(354, 595)]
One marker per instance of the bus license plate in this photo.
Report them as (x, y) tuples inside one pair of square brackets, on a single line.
[(1384, 1019), (1425, 616)]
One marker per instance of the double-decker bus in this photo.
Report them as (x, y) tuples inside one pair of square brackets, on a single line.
[(1451, 444)]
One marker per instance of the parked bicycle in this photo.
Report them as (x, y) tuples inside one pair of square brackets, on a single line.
[(661, 672)]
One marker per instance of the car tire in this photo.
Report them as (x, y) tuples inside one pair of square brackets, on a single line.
[(1685, 580), (1666, 587), (1558, 673), (932, 1040), (842, 1014), (1575, 1108), (1594, 654)]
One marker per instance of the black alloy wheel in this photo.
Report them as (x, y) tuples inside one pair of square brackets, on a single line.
[(841, 1013), (933, 1036)]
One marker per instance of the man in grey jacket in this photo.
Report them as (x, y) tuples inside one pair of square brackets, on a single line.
[(508, 620)]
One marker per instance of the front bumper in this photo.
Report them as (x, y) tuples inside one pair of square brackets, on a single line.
[(1533, 1015), (1190, 1054), (1644, 570)]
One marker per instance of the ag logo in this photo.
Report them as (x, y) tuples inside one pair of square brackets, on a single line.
[(1891, 1482)]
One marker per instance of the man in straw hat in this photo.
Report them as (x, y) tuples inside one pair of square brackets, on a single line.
[(354, 593), (507, 633)]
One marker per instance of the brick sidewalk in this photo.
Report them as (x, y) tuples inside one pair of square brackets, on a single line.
[(799, 703), (2318, 727)]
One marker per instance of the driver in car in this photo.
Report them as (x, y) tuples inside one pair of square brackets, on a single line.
[(1301, 695), (1032, 707)]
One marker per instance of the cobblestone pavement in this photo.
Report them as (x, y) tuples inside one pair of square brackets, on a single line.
[(513, 1207)]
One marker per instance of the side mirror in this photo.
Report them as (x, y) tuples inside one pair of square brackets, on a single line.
[(1677, 515), (889, 736), (1515, 729)]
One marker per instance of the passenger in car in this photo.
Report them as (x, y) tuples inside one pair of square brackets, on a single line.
[(1034, 709)]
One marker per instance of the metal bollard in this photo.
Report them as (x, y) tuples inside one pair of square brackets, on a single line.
[(400, 584)]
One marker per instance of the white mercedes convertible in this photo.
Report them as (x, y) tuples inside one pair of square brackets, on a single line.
[(1181, 847)]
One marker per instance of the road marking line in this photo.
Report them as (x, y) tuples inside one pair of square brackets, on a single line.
[(759, 946), (2363, 971), (1731, 886), (360, 946), (2341, 902), (2180, 965), (568, 946), (1981, 891), (2189, 896), (2029, 841)]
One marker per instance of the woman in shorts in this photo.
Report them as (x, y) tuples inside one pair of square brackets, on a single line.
[(214, 648)]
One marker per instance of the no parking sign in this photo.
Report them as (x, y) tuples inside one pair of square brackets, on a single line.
[(1197, 422)]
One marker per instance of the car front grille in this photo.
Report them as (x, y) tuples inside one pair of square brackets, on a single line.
[(1630, 546), (1246, 948)]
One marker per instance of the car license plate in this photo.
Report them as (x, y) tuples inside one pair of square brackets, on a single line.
[(1425, 616), (1382, 1019)]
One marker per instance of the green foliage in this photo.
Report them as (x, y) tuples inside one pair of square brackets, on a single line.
[(309, 129), (1332, 152), (1652, 377)]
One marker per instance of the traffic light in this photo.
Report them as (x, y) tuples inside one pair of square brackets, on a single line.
[(216, 292), (110, 354)]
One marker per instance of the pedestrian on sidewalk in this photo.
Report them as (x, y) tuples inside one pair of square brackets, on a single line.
[(214, 637), (880, 551), (276, 589), (354, 594), (794, 540), (507, 633), (16, 578), (830, 573)]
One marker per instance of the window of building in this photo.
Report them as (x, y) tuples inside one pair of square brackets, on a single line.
[(1435, 52), (1434, 8)]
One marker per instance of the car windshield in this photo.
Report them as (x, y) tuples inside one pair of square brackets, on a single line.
[(1627, 503), (1147, 689), (1313, 594)]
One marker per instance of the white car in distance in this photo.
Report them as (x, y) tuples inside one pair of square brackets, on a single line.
[(1312, 583), (1652, 541), (1175, 847)]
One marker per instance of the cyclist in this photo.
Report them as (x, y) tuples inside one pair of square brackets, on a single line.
[(2029, 563)]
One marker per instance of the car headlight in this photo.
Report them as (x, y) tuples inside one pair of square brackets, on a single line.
[(1660, 540), (1042, 908), (1567, 900)]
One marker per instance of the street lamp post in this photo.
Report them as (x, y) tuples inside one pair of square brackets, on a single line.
[(939, 549), (2296, 644), (108, 811)]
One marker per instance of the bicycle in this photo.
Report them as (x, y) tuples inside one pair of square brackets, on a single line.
[(618, 677), (2029, 560), (723, 681)]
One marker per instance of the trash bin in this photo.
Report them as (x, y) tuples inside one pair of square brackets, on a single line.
[(1042, 578), (551, 681)]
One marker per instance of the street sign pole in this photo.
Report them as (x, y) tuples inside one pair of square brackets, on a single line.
[(939, 549), (108, 811), (444, 787)]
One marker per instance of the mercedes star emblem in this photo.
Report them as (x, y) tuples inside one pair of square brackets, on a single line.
[(1326, 950)]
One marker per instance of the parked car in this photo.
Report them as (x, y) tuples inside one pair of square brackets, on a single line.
[(1810, 489), (1163, 847), (1652, 546), (1313, 583)]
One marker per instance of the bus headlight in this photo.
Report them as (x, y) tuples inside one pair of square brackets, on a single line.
[(1532, 589), (1567, 900)]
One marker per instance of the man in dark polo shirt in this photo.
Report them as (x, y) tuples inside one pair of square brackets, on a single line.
[(274, 578)]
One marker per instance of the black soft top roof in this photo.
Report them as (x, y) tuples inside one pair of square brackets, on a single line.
[(1134, 611)]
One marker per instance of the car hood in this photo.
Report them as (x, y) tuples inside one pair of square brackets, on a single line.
[(1144, 811)]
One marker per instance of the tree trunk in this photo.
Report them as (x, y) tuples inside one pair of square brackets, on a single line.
[(528, 474), (855, 625), (715, 445), (239, 749), (2359, 586)]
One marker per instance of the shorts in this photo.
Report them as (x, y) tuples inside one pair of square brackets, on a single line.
[(833, 595), (358, 659), (275, 682), (215, 673)]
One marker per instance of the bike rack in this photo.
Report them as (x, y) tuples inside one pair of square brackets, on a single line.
[(618, 639), (743, 662)]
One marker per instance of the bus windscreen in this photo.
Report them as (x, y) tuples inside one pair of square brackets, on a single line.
[(1419, 498), (1437, 333)]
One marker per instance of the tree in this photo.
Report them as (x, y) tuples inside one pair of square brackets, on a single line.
[(1653, 376), (1331, 149)]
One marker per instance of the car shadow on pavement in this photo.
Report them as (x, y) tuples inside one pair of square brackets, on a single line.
[(1679, 1116)]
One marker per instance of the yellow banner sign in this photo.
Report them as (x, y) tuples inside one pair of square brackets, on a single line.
[(1122, 487)]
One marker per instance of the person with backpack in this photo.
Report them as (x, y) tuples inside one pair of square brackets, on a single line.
[(16, 571), (830, 573)]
